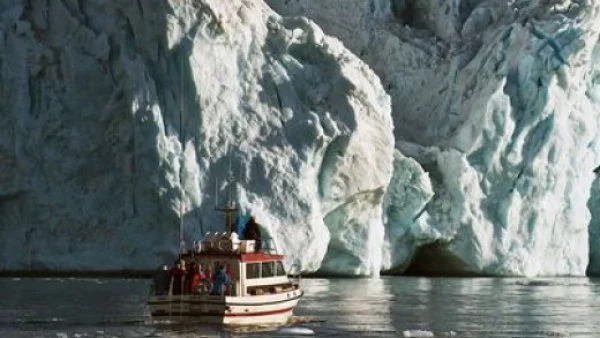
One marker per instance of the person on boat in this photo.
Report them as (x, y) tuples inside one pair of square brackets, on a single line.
[(197, 278), (252, 232), (240, 225), (230, 276), (185, 286), (161, 281), (189, 275), (220, 279), (178, 277), (228, 271), (208, 272)]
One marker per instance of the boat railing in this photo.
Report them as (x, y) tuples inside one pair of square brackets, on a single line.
[(204, 288)]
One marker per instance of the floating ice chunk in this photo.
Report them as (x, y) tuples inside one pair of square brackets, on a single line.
[(298, 331), (417, 333), (448, 334), (534, 282)]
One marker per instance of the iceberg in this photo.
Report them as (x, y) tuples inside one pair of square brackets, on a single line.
[(442, 137), (118, 118), (496, 103)]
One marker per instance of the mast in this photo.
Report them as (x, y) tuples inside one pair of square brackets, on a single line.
[(181, 142), (229, 208)]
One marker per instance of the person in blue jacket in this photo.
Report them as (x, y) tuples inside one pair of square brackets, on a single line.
[(220, 279), (240, 225)]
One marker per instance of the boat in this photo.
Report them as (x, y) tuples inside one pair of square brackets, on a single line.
[(259, 291)]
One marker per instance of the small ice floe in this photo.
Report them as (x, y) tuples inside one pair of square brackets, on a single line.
[(417, 333), (62, 335), (533, 282), (448, 334), (552, 334), (297, 331), (160, 322)]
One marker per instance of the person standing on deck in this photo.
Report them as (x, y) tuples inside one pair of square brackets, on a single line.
[(252, 232), (197, 278), (177, 278), (229, 274), (220, 279)]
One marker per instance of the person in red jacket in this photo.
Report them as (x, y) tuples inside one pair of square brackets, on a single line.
[(197, 278)]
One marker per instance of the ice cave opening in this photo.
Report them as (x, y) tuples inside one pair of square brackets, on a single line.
[(434, 259)]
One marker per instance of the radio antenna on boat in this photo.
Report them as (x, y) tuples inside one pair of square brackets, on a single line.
[(229, 208), (216, 192), (181, 142)]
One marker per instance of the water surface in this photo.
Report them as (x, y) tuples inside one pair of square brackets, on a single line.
[(386, 307)]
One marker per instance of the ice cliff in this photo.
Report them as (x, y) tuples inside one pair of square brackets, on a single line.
[(101, 100), (479, 161), (497, 103)]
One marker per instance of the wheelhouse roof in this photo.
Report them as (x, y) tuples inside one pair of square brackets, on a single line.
[(251, 257)]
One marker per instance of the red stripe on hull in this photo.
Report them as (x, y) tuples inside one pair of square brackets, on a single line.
[(264, 313), (251, 314)]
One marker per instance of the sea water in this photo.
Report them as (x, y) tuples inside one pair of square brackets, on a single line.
[(383, 307)]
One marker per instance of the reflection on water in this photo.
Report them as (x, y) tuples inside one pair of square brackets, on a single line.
[(386, 307), (349, 305)]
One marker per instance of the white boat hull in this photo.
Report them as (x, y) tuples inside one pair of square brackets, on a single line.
[(247, 310)]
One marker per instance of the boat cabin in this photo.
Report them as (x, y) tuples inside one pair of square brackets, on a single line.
[(252, 272)]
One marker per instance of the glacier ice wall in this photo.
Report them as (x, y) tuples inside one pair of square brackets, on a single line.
[(497, 102), (101, 99), (594, 202), (493, 107), (404, 206)]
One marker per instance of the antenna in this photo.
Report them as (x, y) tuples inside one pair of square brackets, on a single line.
[(229, 209), (230, 179), (181, 141)]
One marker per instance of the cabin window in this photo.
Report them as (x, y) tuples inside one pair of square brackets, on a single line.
[(280, 270), (267, 269), (252, 270)]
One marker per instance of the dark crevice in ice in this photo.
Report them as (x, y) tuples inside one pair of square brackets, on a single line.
[(435, 259), (410, 13), (593, 204)]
